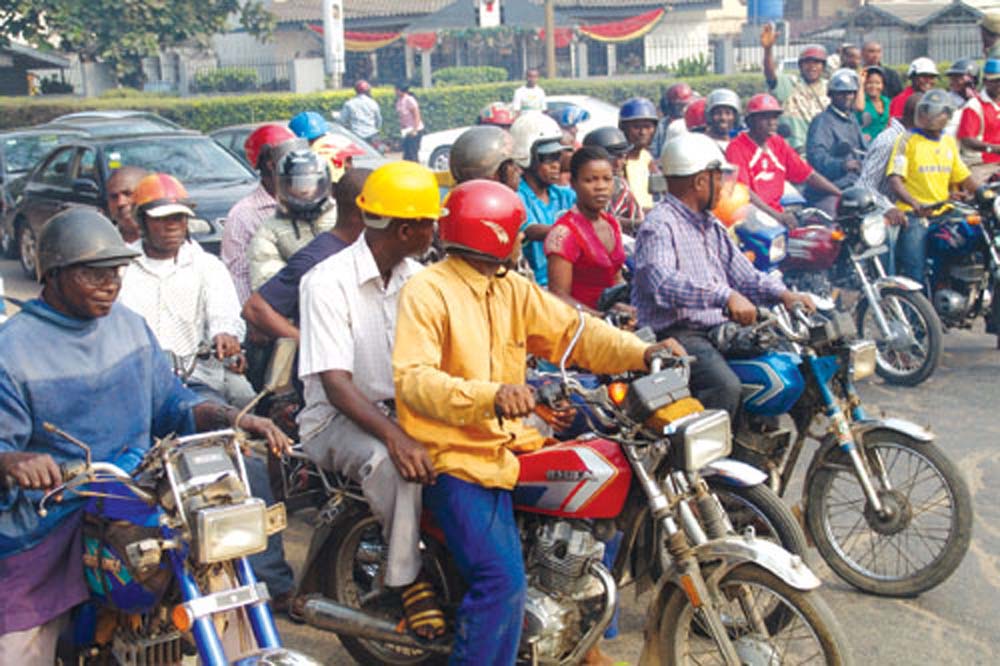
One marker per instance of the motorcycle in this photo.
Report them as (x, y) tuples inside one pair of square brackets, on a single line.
[(963, 266), (887, 510), (720, 597), (845, 254), (165, 555)]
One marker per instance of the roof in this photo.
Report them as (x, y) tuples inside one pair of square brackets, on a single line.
[(909, 15), (460, 14), (35, 58)]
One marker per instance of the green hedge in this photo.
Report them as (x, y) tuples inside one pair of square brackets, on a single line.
[(468, 76)]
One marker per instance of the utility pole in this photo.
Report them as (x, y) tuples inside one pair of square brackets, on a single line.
[(550, 39), (333, 40)]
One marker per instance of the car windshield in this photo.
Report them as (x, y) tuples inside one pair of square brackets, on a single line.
[(22, 152), (123, 126), (191, 159)]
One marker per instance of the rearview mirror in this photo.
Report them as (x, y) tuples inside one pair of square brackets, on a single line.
[(278, 375), (198, 226)]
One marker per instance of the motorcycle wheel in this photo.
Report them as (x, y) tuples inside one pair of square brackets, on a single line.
[(355, 553), (761, 508), (808, 632), (909, 553), (911, 366)]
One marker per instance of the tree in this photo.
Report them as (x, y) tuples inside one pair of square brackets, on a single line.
[(122, 32)]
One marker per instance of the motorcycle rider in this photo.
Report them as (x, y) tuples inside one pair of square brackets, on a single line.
[(978, 130), (305, 210), (348, 310), (835, 145), (485, 152), (249, 213), (871, 56), (673, 104), (923, 75), (925, 163), (689, 274), (637, 118), (361, 114), (274, 308), (622, 204), (538, 150), (963, 79), (121, 207), (765, 160), (75, 358), (722, 112), (803, 95), (469, 323), (497, 114), (309, 125)]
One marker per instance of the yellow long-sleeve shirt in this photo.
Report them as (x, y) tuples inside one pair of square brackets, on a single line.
[(459, 336)]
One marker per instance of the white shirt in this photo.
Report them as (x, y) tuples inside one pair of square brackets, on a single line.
[(186, 300), (362, 116), (529, 99), (348, 322)]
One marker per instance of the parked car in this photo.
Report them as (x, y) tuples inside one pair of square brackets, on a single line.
[(77, 172), (435, 147), (20, 151), (233, 137), (106, 123)]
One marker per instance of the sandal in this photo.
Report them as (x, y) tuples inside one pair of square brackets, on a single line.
[(422, 611)]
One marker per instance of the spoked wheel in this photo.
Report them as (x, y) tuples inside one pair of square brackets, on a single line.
[(911, 351), (760, 507), (916, 542), (808, 634)]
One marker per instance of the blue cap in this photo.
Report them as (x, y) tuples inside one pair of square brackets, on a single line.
[(309, 125)]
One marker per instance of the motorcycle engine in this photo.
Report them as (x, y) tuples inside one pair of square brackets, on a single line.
[(559, 585), (950, 304)]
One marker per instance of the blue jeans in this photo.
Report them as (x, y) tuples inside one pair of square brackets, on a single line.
[(911, 249), (269, 566), (482, 537)]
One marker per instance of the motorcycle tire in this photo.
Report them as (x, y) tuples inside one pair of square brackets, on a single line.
[(355, 531), (681, 642), (761, 508), (918, 305), (832, 485)]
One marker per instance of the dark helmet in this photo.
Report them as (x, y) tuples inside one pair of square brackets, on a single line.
[(479, 151), (303, 184), (80, 235), (855, 201), (965, 66), (610, 139)]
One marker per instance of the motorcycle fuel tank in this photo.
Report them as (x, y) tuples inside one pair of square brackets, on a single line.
[(772, 383), (584, 478), (812, 248)]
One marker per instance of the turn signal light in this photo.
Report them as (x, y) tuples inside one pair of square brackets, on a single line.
[(617, 392), (974, 218), (691, 591), (182, 618), (838, 235), (751, 255)]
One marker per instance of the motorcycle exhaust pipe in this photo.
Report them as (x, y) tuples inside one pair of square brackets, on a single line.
[(326, 614)]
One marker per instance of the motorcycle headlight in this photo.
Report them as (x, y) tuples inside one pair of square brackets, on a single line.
[(862, 359), (778, 250), (699, 440), (873, 231), (227, 532)]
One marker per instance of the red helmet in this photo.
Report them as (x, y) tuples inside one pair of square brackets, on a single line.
[(694, 115), (498, 114), (763, 103), (813, 52), (265, 135), (482, 217), (679, 93), (362, 87)]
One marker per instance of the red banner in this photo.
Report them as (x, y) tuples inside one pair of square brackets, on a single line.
[(362, 42), (623, 31), (422, 41), (564, 37)]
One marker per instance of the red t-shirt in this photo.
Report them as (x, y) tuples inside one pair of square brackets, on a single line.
[(764, 169), (594, 268), (970, 125), (899, 101)]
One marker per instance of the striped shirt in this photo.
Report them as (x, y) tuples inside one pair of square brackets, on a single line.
[(686, 267), (242, 222), (873, 169)]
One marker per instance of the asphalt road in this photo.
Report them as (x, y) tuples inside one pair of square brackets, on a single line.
[(953, 624)]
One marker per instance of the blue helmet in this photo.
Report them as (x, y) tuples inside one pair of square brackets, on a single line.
[(991, 70), (572, 115), (309, 125), (637, 108)]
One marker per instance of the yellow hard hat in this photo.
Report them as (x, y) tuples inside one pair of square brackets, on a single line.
[(401, 190)]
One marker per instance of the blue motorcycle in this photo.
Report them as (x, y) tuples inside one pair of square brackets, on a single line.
[(888, 511)]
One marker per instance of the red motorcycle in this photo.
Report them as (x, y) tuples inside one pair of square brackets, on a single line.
[(719, 598)]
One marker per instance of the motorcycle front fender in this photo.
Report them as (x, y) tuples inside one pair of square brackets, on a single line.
[(734, 473), (901, 426), (897, 282)]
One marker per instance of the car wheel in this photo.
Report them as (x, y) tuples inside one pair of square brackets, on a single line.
[(26, 245), (440, 158), (8, 243)]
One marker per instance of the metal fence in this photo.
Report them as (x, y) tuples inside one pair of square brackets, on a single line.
[(267, 76)]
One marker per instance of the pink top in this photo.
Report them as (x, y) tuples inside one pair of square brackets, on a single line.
[(406, 107), (594, 269)]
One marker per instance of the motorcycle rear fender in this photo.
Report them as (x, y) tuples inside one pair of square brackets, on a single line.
[(734, 473), (897, 282)]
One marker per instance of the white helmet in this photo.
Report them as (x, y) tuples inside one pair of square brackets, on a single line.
[(922, 65), (530, 129), (691, 153)]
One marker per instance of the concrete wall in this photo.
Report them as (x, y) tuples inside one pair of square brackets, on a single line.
[(679, 35)]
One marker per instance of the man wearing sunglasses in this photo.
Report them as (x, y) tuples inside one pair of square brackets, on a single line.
[(690, 276)]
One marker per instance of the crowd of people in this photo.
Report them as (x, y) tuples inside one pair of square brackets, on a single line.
[(413, 376)]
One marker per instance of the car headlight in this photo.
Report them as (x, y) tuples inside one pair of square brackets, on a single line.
[(699, 440), (873, 231), (996, 207), (227, 532), (198, 226), (863, 356), (779, 248)]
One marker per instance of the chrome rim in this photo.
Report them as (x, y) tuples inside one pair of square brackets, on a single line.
[(441, 160), (911, 349), (27, 248)]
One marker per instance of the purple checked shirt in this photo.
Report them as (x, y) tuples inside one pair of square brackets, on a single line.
[(686, 266)]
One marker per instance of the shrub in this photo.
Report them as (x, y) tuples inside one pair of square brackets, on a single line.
[(53, 86), (226, 79), (467, 76)]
